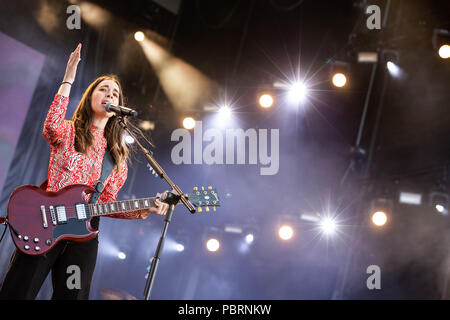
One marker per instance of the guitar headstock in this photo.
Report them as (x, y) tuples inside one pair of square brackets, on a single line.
[(202, 197)]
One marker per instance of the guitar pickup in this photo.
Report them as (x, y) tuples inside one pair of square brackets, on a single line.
[(81, 211), (53, 215), (61, 214)]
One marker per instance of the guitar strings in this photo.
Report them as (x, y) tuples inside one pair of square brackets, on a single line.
[(71, 210)]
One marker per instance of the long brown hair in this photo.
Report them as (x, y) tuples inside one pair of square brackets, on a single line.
[(82, 121)]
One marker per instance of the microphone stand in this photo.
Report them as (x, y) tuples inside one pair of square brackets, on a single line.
[(172, 199)]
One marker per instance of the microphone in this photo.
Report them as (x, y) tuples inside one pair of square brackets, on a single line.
[(120, 110)]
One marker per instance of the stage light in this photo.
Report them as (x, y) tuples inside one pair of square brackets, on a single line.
[(147, 125), (286, 232), (188, 123), (297, 92), (212, 245), (380, 210), (309, 217), (439, 201), (121, 256), (393, 68), (185, 86), (441, 42), (339, 73), (249, 238), (97, 17), (339, 80), (328, 225), (379, 218), (179, 247), (444, 51), (410, 198), (224, 113), (266, 100), (391, 59), (139, 36), (368, 57)]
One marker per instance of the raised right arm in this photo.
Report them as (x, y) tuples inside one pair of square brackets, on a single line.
[(55, 125)]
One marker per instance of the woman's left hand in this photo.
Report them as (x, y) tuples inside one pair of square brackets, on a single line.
[(160, 207)]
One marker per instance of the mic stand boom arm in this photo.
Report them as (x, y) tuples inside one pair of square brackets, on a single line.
[(172, 200)]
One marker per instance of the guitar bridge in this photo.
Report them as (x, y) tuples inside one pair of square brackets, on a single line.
[(44, 217)]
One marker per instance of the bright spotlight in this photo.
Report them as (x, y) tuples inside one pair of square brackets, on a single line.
[(266, 100), (339, 80), (379, 218), (297, 92), (188, 123), (328, 225), (213, 245), (121, 255), (286, 232), (225, 113), (249, 238), (179, 247), (393, 68), (139, 36), (444, 51)]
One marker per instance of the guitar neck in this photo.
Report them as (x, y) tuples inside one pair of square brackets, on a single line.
[(101, 209)]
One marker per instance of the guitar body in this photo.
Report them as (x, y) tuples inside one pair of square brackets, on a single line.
[(38, 219)]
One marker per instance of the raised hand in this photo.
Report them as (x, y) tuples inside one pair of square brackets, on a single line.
[(72, 64)]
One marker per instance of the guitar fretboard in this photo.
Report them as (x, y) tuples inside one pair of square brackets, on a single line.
[(101, 209)]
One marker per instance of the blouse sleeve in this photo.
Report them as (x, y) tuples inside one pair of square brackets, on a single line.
[(111, 190), (55, 125)]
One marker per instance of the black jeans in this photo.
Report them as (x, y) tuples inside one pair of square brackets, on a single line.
[(26, 273)]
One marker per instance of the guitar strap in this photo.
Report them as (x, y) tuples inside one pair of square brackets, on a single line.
[(107, 167)]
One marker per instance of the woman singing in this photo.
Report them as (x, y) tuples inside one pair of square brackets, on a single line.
[(77, 149)]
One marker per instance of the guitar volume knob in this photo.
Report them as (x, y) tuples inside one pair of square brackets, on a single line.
[(36, 240), (27, 247), (25, 238)]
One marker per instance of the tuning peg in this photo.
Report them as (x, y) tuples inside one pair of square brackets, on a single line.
[(214, 208), (195, 188), (203, 188), (209, 188), (199, 209), (207, 209)]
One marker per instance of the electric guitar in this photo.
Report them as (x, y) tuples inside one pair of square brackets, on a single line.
[(39, 219)]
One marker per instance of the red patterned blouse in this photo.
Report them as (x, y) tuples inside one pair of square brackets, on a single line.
[(67, 166)]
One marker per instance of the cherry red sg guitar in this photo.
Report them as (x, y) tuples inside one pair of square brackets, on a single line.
[(39, 219)]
